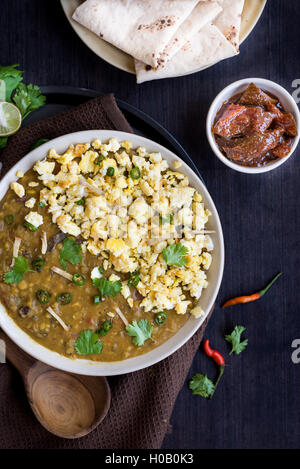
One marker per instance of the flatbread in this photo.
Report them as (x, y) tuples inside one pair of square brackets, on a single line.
[(203, 13), (229, 21), (142, 28), (205, 47), (200, 51)]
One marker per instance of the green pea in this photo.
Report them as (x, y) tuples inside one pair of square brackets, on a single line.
[(81, 201), (110, 171), (41, 204), (135, 173)]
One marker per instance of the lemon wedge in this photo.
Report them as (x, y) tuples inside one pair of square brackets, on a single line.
[(10, 119)]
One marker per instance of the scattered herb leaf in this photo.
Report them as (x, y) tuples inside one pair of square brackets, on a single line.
[(201, 385), (175, 254), (235, 340), (18, 271), (106, 287), (88, 343), (139, 331), (71, 252)]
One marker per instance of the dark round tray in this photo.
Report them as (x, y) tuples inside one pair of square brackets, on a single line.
[(59, 99)]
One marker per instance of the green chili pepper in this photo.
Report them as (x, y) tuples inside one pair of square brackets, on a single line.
[(81, 201), (37, 263), (97, 299), (110, 171), (134, 279), (135, 173), (78, 280), (41, 204), (64, 298), (43, 296), (30, 226), (99, 159), (105, 328), (160, 318), (9, 220)]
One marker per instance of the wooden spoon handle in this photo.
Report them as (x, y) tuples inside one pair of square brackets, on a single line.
[(21, 361)]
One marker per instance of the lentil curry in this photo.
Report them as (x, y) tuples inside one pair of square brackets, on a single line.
[(103, 251)]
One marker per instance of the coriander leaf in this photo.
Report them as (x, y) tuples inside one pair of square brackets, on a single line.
[(11, 77), (235, 339), (175, 254), (201, 385), (88, 343), (18, 271), (71, 252), (39, 142), (106, 287), (140, 331), (3, 142), (28, 98)]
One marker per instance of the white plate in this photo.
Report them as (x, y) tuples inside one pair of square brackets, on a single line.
[(251, 13), (88, 367)]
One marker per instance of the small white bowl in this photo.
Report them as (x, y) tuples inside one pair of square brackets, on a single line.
[(237, 87)]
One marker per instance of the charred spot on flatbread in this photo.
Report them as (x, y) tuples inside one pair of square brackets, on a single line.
[(159, 24)]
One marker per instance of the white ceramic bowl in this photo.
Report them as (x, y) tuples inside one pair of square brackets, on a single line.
[(88, 367), (284, 97)]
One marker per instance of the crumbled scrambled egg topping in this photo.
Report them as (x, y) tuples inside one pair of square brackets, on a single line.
[(127, 217)]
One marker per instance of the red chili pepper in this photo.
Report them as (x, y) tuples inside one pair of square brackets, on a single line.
[(214, 354), (217, 358), (253, 297)]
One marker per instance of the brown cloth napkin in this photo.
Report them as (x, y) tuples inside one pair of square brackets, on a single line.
[(142, 402)]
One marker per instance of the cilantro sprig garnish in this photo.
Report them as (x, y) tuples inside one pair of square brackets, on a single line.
[(88, 343), (16, 274), (27, 98), (235, 340), (107, 287), (175, 254), (71, 252), (201, 385), (140, 331), (12, 78)]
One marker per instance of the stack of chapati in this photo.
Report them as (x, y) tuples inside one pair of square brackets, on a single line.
[(166, 38)]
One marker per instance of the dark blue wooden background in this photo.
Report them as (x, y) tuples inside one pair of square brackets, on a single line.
[(258, 402)]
